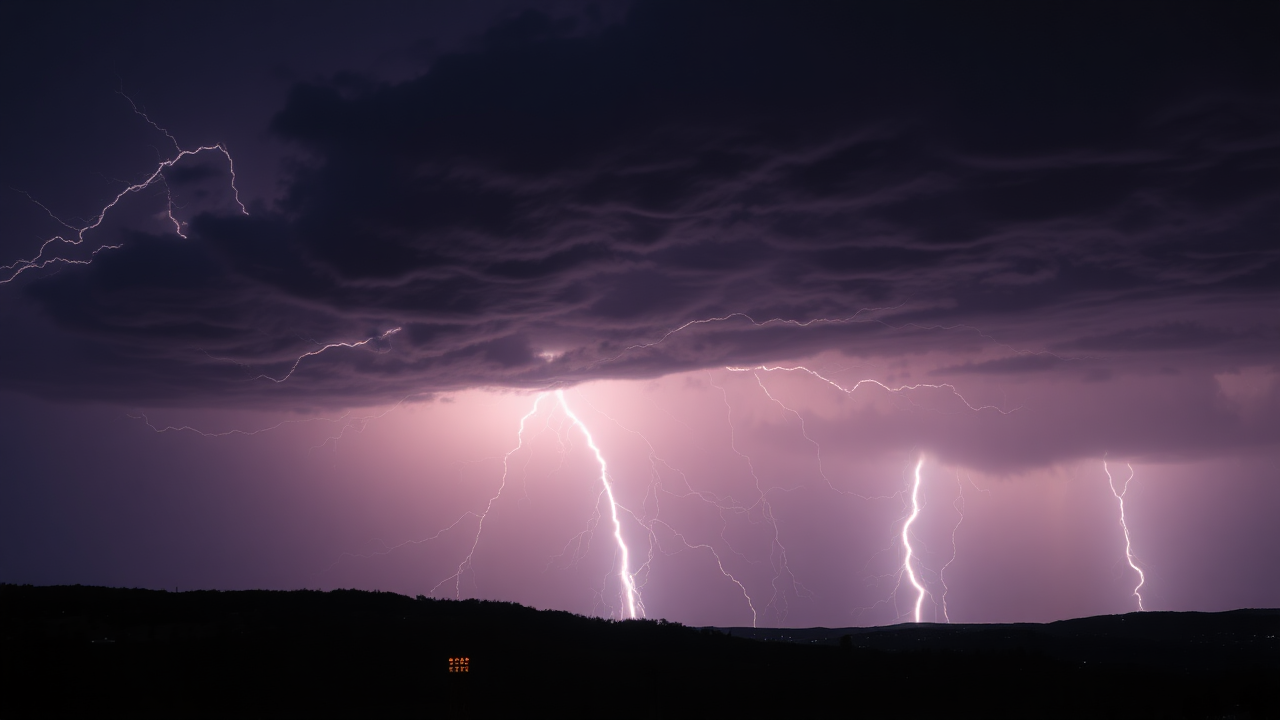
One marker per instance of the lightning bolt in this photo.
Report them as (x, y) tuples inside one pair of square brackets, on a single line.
[(958, 504), (655, 489), (906, 539), (900, 390), (330, 346), (804, 432), (777, 550), (624, 573), (1128, 547), (78, 232), (906, 568), (467, 562)]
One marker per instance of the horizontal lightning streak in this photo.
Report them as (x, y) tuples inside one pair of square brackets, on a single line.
[(39, 260), (850, 390), (330, 346)]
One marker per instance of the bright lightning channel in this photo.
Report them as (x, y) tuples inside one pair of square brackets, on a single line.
[(1128, 547), (624, 572), (655, 490), (906, 539), (906, 567)]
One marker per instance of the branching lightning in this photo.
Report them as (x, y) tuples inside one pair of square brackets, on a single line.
[(39, 260), (906, 568), (1128, 547), (958, 504), (778, 551), (506, 467), (655, 491), (624, 572), (78, 232), (900, 390), (330, 346), (784, 580)]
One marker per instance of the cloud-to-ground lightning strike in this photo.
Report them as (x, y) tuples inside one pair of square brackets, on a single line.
[(38, 261), (906, 540), (655, 490), (1128, 547), (506, 467), (624, 571), (958, 504), (631, 588), (777, 559), (628, 579), (915, 507)]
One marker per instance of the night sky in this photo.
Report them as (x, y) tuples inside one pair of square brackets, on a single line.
[(790, 314)]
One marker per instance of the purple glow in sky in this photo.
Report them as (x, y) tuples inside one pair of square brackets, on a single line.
[(726, 314)]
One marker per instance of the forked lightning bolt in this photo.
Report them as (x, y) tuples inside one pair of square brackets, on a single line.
[(906, 568), (47, 256), (1128, 547), (655, 491), (624, 571), (958, 504), (777, 550), (506, 460), (39, 260)]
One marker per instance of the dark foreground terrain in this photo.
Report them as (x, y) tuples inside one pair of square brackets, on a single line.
[(104, 652)]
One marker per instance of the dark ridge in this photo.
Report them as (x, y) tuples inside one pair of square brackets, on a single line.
[(75, 651), (1190, 642)]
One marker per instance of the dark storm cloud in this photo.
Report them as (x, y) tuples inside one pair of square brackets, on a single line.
[(1016, 364), (527, 211), (1171, 336)]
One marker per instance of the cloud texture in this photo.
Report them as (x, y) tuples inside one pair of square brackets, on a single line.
[(1093, 181)]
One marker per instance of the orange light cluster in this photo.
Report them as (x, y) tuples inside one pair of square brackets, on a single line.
[(459, 664)]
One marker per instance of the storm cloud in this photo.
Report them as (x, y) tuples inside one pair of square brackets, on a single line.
[(775, 255), (547, 205)]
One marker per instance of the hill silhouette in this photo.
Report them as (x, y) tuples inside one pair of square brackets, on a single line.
[(109, 652)]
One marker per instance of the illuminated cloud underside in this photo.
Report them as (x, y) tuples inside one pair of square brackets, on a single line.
[(764, 301)]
